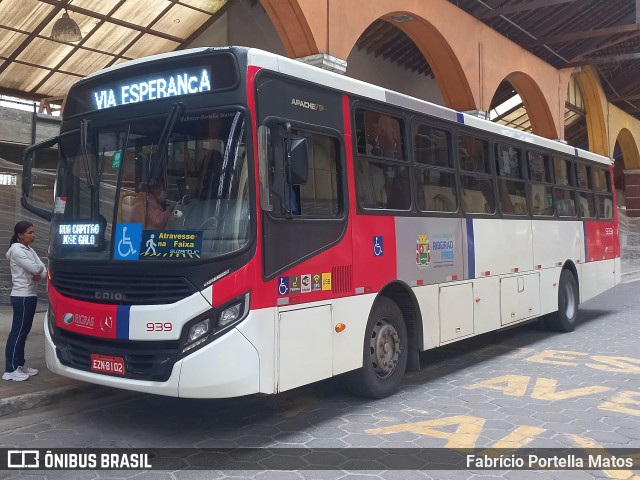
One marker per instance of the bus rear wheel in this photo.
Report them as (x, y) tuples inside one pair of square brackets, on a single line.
[(564, 320), (385, 352)]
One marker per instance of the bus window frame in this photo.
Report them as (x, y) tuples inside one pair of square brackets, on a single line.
[(521, 180), (407, 161), (415, 122), (491, 176), (548, 157), (341, 173)]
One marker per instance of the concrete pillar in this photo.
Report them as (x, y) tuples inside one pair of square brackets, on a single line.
[(326, 62), (632, 192)]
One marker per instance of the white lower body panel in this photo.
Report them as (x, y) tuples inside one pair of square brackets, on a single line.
[(227, 367)]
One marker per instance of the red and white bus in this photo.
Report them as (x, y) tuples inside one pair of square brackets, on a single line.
[(227, 222)]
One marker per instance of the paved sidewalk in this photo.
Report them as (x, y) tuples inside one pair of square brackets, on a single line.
[(44, 388), (47, 388)]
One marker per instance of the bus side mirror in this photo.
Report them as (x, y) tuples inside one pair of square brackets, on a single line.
[(264, 137), (27, 171), (38, 182), (298, 160)]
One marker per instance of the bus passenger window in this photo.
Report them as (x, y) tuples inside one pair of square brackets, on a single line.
[(379, 135), (601, 181), (511, 187), (539, 168), (431, 146), (477, 195), (565, 203), (586, 205), (583, 173), (563, 172), (383, 186), (541, 200), (436, 191), (474, 154), (605, 207)]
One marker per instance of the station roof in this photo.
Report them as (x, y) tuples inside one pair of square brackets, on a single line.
[(564, 33), (33, 66), (575, 33)]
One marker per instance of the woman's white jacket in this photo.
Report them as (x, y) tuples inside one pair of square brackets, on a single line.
[(25, 263)]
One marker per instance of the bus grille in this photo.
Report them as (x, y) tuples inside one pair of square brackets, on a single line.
[(143, 360), (122, 289)]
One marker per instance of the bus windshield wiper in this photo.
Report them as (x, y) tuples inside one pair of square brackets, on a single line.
[(174, 115), (84, 133)]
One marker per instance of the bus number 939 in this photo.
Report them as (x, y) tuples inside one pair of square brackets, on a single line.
[(159, 327)]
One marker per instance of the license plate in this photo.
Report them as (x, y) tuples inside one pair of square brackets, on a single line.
[(107, 364)]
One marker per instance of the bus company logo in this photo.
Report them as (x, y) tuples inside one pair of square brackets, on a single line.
[(423, 252), (308, 105), (84, 321), (106, 324)]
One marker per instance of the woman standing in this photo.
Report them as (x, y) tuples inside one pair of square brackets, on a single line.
[(26, 270)]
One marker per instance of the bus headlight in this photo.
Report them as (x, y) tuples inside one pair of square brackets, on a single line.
[(230, 314), (198, 334), (235, 311), (204, 329), (199, 329)]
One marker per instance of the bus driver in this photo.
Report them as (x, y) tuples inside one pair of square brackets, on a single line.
[(157, 214)]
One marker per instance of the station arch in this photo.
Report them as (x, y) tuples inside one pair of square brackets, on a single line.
[(536, 112)]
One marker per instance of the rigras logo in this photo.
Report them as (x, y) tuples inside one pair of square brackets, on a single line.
[(80, 320)]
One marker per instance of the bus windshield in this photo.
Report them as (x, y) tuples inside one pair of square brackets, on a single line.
[(158, 188)]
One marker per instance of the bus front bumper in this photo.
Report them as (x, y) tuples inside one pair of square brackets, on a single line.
[(227, 367)]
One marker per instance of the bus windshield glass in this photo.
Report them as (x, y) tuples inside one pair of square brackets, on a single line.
[(162, 188)]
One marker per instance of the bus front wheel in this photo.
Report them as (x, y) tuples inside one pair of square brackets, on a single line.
[(384, 354), (564, 320)]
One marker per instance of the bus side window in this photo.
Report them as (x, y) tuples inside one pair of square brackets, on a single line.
[(321, 195)]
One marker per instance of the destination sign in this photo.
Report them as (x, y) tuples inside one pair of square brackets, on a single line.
[(153, 81), (80, 234), (170, 84)]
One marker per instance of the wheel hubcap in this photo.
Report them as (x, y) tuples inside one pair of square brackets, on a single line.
[(385, 348)]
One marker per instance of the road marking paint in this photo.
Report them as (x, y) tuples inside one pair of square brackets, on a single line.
[(555, 356), (617, 364), (512, 385), (545, 389), (466, 434), (618, 402), (590, 445), (520, 437)]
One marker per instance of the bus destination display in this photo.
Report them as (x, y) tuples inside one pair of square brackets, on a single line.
[(79, 235), (165, 85), (191, 76)]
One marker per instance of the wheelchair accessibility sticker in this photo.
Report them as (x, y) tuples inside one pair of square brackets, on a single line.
[(378, 246), (127, 241)]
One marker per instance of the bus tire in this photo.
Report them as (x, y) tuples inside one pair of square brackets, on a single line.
[(564, 320), (385, 352)]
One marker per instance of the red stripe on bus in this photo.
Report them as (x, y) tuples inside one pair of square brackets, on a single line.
[(85, 318)]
